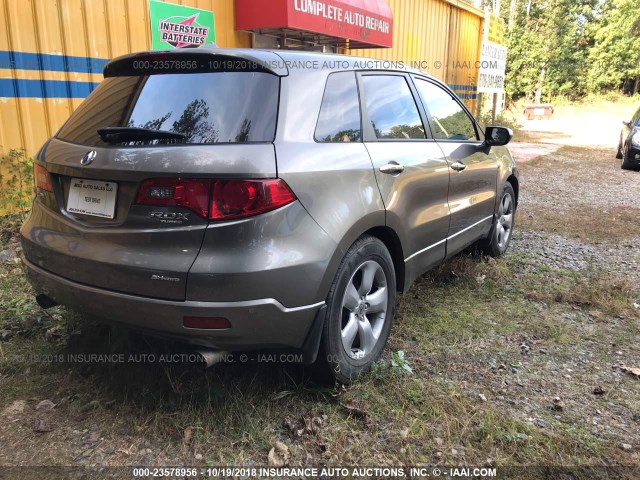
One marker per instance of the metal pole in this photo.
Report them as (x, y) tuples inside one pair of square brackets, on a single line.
[(495, 108)]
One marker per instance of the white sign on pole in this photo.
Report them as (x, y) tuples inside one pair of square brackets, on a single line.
[(493, 63)]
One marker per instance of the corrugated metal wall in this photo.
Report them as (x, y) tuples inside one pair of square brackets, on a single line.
[(52, 53), (442, 35)]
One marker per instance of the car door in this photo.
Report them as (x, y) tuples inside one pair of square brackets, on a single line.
[(410, 168), (474, 169)]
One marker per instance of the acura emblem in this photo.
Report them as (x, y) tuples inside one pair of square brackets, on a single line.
[(88, 158)]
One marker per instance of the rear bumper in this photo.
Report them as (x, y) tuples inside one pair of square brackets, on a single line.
[(263, 323)]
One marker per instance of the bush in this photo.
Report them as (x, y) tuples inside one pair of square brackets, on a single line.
[(504, 119), (16, 179)]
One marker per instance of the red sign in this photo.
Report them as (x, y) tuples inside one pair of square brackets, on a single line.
[(368, 23)]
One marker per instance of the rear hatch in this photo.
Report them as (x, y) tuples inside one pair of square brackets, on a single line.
[(131, 170)]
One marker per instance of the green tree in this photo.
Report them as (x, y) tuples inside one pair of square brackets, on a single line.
[(615, 55), (548, 44), (194, 125)]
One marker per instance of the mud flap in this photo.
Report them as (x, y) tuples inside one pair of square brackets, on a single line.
[(311, 344)]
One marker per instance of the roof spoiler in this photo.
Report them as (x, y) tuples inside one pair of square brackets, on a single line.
[(209, 58)]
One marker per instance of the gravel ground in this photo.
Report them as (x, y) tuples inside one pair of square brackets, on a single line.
[(512, 378), (560, 252), (589, 183), (588, 177)]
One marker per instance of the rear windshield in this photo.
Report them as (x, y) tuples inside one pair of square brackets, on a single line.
[(220, 107)]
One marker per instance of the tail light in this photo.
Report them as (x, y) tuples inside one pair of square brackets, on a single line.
[(42, 178), (217, 199), (243, 198), (173, 192)]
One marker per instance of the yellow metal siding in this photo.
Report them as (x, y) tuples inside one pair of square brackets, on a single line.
[(439, 35), (97, 29), (424, 30)]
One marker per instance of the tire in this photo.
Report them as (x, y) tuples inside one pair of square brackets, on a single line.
[(619, 155), (497, 243), (626, 164), (355, 330)]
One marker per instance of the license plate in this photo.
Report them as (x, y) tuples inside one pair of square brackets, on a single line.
[(90, 197)]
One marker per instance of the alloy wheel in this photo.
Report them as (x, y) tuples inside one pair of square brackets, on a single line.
[(364, 309), (505, 221)]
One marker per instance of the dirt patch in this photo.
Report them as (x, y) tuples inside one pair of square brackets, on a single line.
[(581, 193), (582, 124)]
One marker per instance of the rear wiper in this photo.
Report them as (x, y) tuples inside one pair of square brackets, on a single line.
[(134, 134)]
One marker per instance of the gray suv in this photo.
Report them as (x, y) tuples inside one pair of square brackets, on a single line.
[(246, 199)]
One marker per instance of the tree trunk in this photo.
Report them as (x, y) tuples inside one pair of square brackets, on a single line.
[(512, 12), (538, 96)]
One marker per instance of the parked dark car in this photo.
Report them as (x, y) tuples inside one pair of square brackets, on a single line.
[(234, 201), (629, 144)]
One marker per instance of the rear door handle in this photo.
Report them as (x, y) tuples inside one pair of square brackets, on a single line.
[(458, 166), (392, 168)]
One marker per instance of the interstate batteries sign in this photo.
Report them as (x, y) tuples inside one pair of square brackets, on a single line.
[(175, 26)]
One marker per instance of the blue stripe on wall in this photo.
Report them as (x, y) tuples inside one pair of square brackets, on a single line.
[(44, 88), (44, 61), (471, 88), (70, 89)]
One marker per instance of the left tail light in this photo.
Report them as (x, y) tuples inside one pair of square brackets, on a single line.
[(42, 178), (173, 192)]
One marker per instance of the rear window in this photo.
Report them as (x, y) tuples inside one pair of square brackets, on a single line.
[(206, 108)]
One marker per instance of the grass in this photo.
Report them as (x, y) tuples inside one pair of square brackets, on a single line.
[(487, 345), (461, 328), (9, 225), (610, 101)]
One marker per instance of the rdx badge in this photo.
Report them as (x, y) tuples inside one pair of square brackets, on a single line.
[(170, 217)]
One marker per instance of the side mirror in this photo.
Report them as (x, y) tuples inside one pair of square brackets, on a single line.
[(626, 123), (497, 136)]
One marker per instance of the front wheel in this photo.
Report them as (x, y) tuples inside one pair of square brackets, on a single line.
[(361, 306), (500, 236)]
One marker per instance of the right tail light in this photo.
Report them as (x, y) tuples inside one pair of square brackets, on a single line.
[(244, 198)]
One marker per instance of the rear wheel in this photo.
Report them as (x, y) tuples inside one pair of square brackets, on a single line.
[(500, 237), (361, 306)]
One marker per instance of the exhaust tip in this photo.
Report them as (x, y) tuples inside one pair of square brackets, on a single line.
[(45, 301), (211, 357)]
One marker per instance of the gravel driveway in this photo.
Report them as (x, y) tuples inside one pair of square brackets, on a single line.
[(571, 194)]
